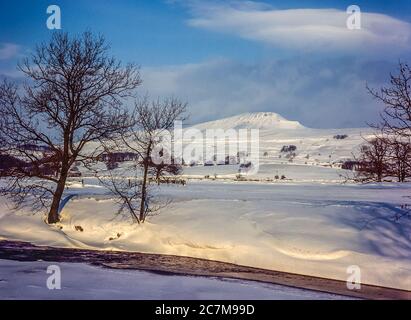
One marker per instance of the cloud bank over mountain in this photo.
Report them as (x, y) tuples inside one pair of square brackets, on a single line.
[(326, 93)]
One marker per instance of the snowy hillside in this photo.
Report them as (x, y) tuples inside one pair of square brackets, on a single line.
[(313, 147)]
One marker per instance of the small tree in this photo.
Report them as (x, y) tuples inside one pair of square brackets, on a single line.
[(73, 98), (148, 123), (373, 160)]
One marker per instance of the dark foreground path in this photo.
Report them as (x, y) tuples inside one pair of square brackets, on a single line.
[(167, 264)]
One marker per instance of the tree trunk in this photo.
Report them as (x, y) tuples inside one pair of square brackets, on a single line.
[(143, 193), (53, 215), (379, 177)]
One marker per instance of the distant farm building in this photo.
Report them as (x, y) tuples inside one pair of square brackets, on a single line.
[(118, 157)]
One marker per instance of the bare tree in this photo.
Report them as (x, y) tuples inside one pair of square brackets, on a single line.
[(128, 194), (149, 122), (373, 160), (74, 97), (390, 156)]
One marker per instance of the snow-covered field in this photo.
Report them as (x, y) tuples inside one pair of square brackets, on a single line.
[(311, 224), (28, 280)]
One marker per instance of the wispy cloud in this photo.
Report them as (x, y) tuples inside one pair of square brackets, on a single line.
[(303, 29), (8, 50)]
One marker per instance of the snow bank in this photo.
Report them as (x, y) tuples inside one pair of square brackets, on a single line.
[(312, 229)]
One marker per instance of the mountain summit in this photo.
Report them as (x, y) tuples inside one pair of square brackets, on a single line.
[(253, 120)]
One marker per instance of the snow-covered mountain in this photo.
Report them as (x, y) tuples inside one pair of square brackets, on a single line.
[(312, 146), (255, 120)]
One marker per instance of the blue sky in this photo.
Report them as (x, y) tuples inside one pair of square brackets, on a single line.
[(228, 57)]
